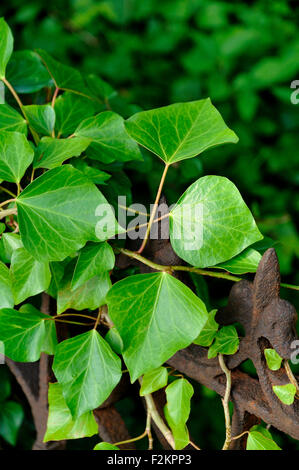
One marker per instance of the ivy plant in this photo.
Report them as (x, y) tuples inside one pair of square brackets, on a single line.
[(63, 157)]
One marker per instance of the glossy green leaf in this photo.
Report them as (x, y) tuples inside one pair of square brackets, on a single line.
[(260, 438), (26, 333), (11, 418), (144, 308), (285, 393), (211, 223), (100, 88), (181, 130), (95, 175), (177, 410), (105, 446), (41, 118), (273, 359), (27, 73), (61, 424), (226, 342), (9, 243), (154, 380), (57, 214), (64, 77), (114, 340), (16, 154), (70, 110), (6, 294), (28, 275), (11, 120), (245, 262), (93, 259), (51, 152), (6, 46), (209, 331), (88, 371), (110, 140)]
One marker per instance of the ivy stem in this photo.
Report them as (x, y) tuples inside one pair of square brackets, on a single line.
[(7, 212), (191, 269), (74, 315), (133, 211), (68, 321), (239, 435), (162, 181), (194, 445), (54, 97), (98, 318), (138, 438), (148, 430), (8, 192), (290, 375), (225, 402), (4, 203)]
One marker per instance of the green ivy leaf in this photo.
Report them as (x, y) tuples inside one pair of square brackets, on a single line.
[(154, 380), (70, 110), (273, 359), (64, 77), (226, 342), (6, 46), (51, 152), (93, 259), (26, 333), (28, 276), (57, 214), (11, 120), (177, 410), (209, 331), (8, 244), (114, 340), (105, 446), (88, 371), (5, 387), (285, 393), (41, 118), (61, 424), (27, 73), (260, 438), (245, 262), (181, 130), (144, 308), (94, 174), (211, 223), (110, 140), (11, 418), (100, 88), (16, 154), (6, 295)]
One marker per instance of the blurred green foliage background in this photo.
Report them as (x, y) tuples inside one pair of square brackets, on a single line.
[(244, 55)]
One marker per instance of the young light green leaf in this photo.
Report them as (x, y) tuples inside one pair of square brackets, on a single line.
[(26, 334), (64, 77), (177, 410), (105, 446), (209, 331), (52, 152), (226, 342), (154, 380), (93, 259), (211, 223), (9, 242), (285, 393), (6, 46), (41, 118), (26, 72), (28, 276), (11, 418), (16, 154), (59, 212), (6, 294), (11, 120), (88, 371), (260, 438), (61, 424), (144, 308), (70, 110), (181, 130), (245, 262), (91, 294), (273, 359), (110, 140)]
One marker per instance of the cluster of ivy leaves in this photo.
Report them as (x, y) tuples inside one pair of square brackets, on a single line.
[(55, 155)]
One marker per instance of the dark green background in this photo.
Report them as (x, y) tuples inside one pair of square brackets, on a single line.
[(244, 55)]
